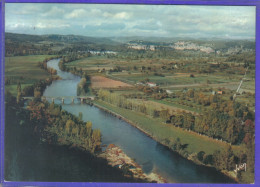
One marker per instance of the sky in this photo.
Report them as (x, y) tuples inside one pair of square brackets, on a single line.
[(103, 20)]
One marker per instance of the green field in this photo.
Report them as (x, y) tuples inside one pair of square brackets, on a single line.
[(166, 78), (174, 80), (174, 102), (24, 69), (161, 131), (13, 88)]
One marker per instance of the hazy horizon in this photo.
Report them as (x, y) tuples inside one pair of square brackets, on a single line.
[(103, 20)]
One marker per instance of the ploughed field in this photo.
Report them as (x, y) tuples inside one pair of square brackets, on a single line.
[(98, 82)]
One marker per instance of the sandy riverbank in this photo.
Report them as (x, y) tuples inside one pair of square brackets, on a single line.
[(117, 158)]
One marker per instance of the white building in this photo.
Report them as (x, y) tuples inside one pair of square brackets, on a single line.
[(151, 84)]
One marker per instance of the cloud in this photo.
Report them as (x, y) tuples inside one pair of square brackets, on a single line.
[(16, 25), (49, 25), (54, 11), (119, 15), (123, 20), (149, 24), (122, 15), (76, 13)]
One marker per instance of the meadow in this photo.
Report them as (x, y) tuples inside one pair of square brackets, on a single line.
[(24, 69), (161, 131)]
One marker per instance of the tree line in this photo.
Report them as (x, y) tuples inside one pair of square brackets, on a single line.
[(227, 121), (215, 124), (64, 127), (84, 85)]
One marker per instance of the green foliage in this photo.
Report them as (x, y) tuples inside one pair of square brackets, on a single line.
[(82, 87), (217, 124), (71, 129), (80, 115), (225, 159), (19, 93), (200, 155), (208, 159), (161, 131), (131, 104)]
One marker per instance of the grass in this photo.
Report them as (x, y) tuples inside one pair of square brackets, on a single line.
[(175, 79), (24, 69), (161, 131), (127, 92), (173, 102), (13, 88), (247, 177)]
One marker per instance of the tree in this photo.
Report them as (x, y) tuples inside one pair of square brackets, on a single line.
[(200, 155), (164, 114), (188, 121), (190, 93), (19, 93), (232, 130), (37, 93), (225, 159), (68, 127), (217, 160), (178, 144), (96, 138), (229, 158), (208, 159), (178, 120), (249, 141), (19, 88), (28, 91), (75, 131), (89, 128), (80, 115)]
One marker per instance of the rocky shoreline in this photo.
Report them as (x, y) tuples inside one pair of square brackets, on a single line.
[(117, 158)]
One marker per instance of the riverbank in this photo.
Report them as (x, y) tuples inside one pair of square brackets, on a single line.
[(192, 156), (117, 158), (123, 118)]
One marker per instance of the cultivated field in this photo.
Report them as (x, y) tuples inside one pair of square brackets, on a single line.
[(169, 74), (98, 82), (24, 69)]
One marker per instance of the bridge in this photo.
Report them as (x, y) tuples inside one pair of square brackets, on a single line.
[(62, 98)]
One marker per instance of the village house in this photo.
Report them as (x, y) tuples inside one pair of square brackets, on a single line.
[(151, 84), (140, 83)]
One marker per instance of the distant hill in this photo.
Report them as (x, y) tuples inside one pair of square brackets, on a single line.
[(147, 39), (114, 43), (58, 38)]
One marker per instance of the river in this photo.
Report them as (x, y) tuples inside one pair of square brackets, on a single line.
[(151, 155)]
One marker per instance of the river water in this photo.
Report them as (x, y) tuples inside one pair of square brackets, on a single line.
[(152, 156)]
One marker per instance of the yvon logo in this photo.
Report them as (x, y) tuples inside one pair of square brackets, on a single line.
[(240, 167)]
